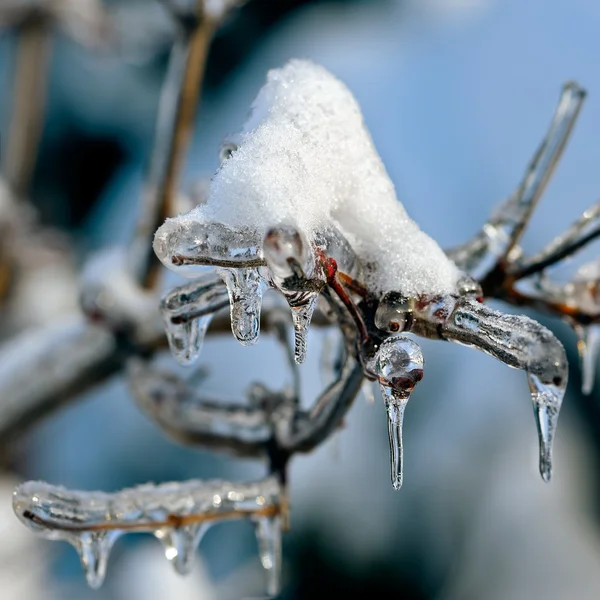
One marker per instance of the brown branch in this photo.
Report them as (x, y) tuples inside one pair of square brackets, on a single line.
[(177, 113)]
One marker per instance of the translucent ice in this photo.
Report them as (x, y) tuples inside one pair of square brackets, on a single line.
[(522, 343), (246, 288), (399, 366), (181, 543), (290, 262), (187, 312), (268, 535), (306, 159), (176, 513)]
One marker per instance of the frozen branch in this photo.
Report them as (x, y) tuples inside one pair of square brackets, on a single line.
[(491, 248), (177, 514)]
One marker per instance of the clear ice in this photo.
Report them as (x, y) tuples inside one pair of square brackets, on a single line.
[(176, 513), (187, 312), (399, 367), (290, 262), (246, 288), (521, 343), (268, 536)]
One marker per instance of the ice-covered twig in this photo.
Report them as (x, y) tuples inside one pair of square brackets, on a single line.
[(581, 233), (491, 248), (521, 343), (175, 513), (191, 418)]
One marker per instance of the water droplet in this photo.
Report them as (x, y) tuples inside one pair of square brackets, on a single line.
[(588, 346), (399, 366), (181, 544), (301, 316), (186, 339), (268, 535), (547, 399), (246, 288), (94, 549)]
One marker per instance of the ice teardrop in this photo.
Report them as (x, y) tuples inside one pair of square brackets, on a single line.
[(246, 287), (399, 367), (94, 549), (547, 400), (187, 312), (180, 545), (290, 263), (268, 535), (186, 338)]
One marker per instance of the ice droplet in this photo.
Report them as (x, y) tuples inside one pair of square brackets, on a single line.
[(94, 549), (547, 399), (181, 544), (186, 339), (588, 346), (246, 287), (268, 535), (399, 366)]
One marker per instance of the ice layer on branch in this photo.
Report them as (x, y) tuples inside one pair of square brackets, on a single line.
[(175, 513)]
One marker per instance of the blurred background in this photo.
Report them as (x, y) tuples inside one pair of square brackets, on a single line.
[(457, 95)]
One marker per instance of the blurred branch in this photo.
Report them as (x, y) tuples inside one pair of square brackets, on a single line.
[(177, 112), (28, 103)]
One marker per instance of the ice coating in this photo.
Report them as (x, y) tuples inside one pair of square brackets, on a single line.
[(176, 513), (305, 159)]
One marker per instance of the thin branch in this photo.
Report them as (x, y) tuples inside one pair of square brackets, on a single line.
[(28, 103), (177, 112), (581, 233), (490, 250)]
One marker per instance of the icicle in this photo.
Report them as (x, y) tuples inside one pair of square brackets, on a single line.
[(290, 261), (186, 339), (94, 549), (246, 288), (187, 311), (588, 346), (399, 366), (268, 534), (93, 521), (547, 399), (301, 317), (395, 412), (181, 544)]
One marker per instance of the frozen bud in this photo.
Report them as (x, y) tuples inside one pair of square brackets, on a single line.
[(467, 286), (283, 248), (393, 313)]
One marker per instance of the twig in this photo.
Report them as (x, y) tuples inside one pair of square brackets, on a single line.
[(177, 111)]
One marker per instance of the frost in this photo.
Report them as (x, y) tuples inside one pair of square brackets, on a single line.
[(305, 159)]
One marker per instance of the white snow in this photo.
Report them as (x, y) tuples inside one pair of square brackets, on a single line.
[(306, 159)]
